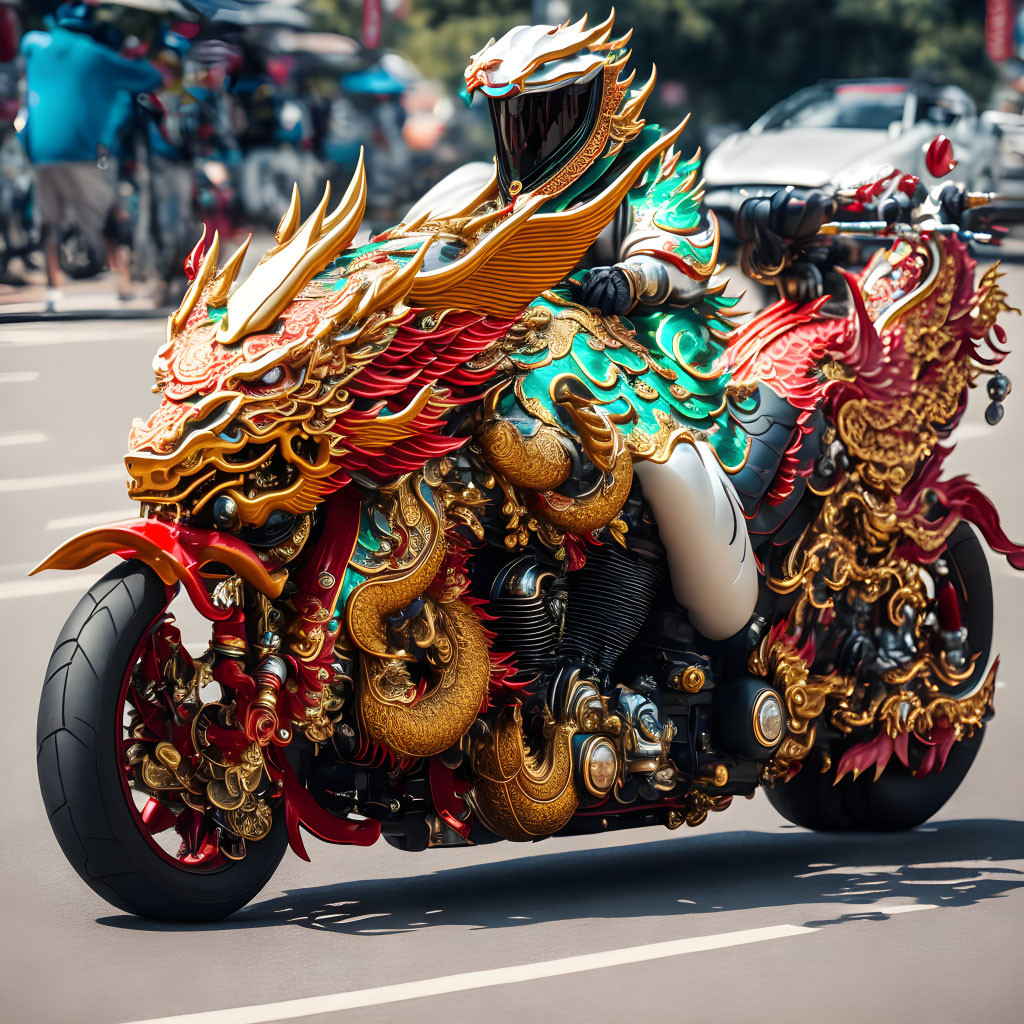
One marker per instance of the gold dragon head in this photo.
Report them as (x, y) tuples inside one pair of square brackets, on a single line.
[(262, 395), (557, 102)]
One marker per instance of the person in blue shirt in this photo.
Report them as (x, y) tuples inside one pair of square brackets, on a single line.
[(75, 80)]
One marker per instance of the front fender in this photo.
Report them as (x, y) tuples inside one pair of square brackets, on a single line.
[(175, 552)]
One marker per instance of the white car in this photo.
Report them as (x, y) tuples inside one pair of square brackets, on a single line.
[(844, 132)]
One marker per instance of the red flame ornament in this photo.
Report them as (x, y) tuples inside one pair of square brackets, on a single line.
[(194, 258), (938, 156)]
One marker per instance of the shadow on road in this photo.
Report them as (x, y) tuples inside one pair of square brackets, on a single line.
[(953, 863)]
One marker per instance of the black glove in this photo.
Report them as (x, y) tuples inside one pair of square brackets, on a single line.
[(799, 215), (608, 289), (774, 229), (801, 282), (789, 214)]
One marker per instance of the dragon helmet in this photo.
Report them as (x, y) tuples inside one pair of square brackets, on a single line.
[(557, 102)]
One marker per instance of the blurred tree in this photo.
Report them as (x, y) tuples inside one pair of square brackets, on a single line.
[(441, 35), (734, 57)]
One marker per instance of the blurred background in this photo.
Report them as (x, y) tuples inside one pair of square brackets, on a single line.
[(125, 127)]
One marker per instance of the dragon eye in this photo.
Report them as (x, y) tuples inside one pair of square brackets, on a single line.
[(273, 376)]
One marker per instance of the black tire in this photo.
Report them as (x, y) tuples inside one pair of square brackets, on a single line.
[(898, 800), (79, 772), (78, 256)]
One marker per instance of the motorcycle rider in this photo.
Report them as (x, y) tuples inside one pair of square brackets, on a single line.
[(552, 92)]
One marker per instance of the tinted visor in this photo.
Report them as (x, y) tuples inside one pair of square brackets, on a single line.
[(537, 133)]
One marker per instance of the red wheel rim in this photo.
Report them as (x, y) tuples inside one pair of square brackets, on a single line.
[(161, 826)]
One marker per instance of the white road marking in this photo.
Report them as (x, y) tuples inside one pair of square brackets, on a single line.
[(89, 519), (899, 908), (71, 336), (19, 377), (101, 474), (40, 586), (290, 1009), (22, 437), (56, 582)]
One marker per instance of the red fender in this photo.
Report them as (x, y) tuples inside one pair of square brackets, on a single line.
[(177, 554)]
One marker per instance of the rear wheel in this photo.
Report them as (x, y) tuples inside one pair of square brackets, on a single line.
[(158, 859), (899, 800)]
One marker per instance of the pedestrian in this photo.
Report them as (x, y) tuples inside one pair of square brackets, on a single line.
[(75, 82), (172, 145)]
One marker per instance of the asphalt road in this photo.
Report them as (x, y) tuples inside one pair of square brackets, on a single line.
[(745, 918)]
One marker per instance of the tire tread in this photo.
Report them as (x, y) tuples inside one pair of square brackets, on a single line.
[(84, 801)]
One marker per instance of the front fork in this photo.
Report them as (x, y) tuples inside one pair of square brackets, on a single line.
[(279, 673)]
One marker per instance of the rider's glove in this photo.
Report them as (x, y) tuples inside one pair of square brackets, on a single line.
[(798, 216), (789, 215), (801, 282), (608, 289), (774, 229)]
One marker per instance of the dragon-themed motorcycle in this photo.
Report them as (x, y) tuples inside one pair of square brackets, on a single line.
[(504, 530)]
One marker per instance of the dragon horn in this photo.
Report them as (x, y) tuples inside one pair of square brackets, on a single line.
[(600, 33), (199, 282), (355, 196), (634, 105), (290, 221), (621, 42), (286, 270), (395, 287), (218, 295), (314, 227)]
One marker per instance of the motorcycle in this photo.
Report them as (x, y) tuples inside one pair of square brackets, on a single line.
[(381, 474)]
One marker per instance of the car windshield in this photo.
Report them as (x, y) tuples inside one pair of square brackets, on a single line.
[(865, 105)]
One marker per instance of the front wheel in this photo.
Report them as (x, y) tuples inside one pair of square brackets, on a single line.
[(898, 800), (146, 857)]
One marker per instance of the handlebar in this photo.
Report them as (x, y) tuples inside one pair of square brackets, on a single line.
[(899, 205)]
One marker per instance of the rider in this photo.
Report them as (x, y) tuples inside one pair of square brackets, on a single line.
[(563, 125)]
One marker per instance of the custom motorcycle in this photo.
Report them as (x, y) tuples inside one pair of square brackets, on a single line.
[(381, 471)]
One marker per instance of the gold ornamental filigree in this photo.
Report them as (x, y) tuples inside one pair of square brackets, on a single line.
[(520, 795), (592, 511), (389, 705), (905, 711), (385, 593), (524, 791), (233, 784), (252, 820), (805, 696), (698, 805), (538, 461), (850, 552)]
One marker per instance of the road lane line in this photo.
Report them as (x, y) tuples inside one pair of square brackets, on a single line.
[(18, 377), (289, 1009), (900, 908), (89, 519), (34, 339), (42, 586), (22, 437), (101, 474)]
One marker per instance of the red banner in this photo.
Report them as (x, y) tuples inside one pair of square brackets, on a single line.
[(999, 18), (372, 19)]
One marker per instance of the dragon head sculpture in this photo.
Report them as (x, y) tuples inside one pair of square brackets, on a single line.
[(310, 372)]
